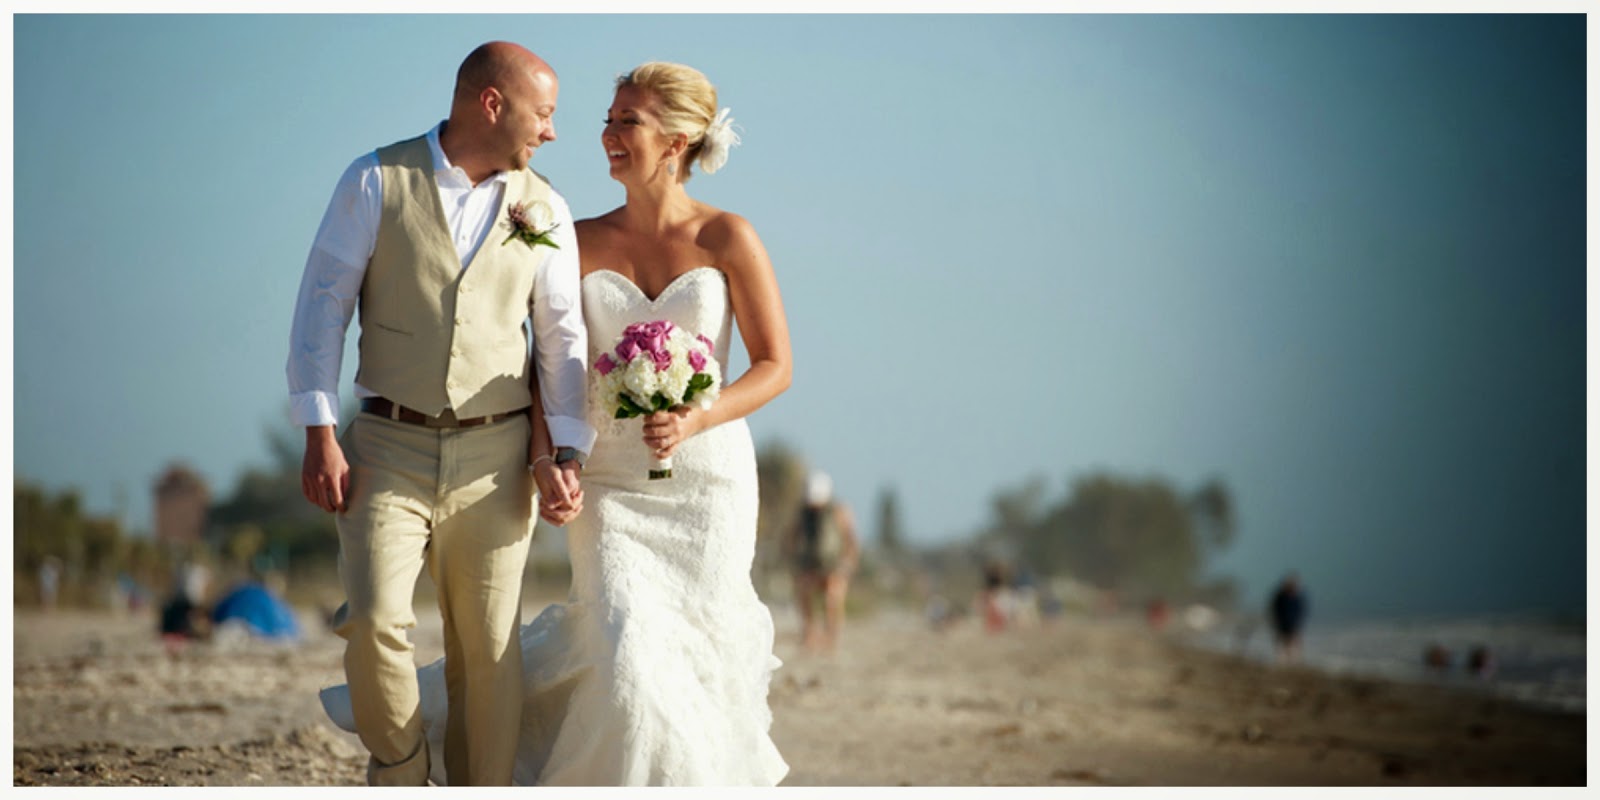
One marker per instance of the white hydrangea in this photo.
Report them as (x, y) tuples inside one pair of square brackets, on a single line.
[(640, 380)]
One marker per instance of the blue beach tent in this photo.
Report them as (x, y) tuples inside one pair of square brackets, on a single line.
[(265, 614)]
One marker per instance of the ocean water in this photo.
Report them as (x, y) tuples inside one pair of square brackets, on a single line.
[(1536, 661)]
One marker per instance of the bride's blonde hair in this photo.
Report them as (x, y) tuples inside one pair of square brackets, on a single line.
[(688, 102)]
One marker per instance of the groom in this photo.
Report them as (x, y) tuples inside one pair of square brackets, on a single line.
[(452, 246)]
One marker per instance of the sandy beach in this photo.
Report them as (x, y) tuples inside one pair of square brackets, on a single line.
[(97, 700)]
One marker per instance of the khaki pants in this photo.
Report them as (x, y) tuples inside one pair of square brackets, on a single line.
[(460, 501)]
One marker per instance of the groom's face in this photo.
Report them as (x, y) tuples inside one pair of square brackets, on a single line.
[(528, 119)]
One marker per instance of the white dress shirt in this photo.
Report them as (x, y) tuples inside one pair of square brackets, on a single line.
[(338, 262)]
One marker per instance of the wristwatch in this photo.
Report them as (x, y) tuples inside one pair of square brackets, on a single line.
[(565, 454)]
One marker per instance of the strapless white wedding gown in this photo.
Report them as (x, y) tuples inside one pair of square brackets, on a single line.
[(655, 672)]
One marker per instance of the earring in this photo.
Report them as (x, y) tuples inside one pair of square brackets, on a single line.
[(672, 167)]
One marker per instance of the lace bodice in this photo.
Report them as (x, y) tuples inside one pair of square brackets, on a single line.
[(696, 301)]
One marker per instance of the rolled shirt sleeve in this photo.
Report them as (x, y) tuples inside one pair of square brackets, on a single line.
[(560, 340), (328, 291)]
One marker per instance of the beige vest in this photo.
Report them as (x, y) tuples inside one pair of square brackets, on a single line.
[(434, 335)]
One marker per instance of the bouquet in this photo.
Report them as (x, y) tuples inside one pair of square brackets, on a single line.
[(657, 366)]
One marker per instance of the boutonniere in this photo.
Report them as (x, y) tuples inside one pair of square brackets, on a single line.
[(532, 223)]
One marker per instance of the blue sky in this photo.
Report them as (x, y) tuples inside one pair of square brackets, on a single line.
[(1336, 261)]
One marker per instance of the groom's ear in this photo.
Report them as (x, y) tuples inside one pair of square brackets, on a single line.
[(491, 103)]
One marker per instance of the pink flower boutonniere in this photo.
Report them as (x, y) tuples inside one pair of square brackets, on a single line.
[(532, 223)]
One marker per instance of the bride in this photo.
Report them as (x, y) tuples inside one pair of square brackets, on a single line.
[(655, 671)]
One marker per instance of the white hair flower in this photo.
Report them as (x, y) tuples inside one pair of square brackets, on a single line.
[(719, 138)]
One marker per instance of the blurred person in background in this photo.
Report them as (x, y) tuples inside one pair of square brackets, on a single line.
[(1287, 611), (823, 552), (995, 602), (49, 582)]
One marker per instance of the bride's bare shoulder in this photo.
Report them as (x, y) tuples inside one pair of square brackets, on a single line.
[(593, 231), (724, 229), (606, 220)]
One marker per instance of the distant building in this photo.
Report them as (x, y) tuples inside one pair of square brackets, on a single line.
[(181, 503)]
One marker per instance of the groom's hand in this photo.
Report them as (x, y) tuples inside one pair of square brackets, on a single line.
[(560, 496), (324, 475), (568, 475)]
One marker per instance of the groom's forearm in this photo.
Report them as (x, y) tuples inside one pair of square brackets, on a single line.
[(559, 384), (539, 443), (561, 342), (330, 286), (560, 394)]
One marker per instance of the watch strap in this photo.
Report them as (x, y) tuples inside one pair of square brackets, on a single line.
[(565, 454)]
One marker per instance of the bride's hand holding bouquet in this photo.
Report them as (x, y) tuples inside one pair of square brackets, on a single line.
[(668, 376)]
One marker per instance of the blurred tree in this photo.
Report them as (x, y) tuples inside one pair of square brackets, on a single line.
[(143, 560), (268, 508), (1213, 509), (30, 542), (102, 543), (1016, 510), (891, 540), (90, 549), (1142, 538), (246, 542)]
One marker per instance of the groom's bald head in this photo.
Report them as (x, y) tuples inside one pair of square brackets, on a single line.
[(504, 66), (504, 109)]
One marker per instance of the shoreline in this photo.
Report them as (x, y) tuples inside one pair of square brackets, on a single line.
[(1543, 695)]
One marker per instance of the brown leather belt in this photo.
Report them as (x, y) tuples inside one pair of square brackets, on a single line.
[(384, 407)]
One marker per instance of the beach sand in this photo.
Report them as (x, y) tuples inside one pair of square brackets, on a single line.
[(97, 700)]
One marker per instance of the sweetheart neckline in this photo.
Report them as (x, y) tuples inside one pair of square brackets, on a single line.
[(651, 300)]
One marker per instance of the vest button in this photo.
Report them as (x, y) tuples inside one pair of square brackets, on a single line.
[(455, 353), (459, 321)]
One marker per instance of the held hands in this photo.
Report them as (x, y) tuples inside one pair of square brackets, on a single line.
[(665, 430), (324, 474), (560, 492)]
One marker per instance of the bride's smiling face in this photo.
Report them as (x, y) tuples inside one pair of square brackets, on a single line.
[(633, 140)]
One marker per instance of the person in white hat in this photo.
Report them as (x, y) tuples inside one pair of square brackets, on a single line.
[(823, 553)]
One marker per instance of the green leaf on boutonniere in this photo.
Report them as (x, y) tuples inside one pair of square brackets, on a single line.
[(519, 217)]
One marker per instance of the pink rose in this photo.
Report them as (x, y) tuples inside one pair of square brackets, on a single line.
[(653, 336), (697, 360), (711, 347), (605, 364), (627, 349), (663, 360)]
